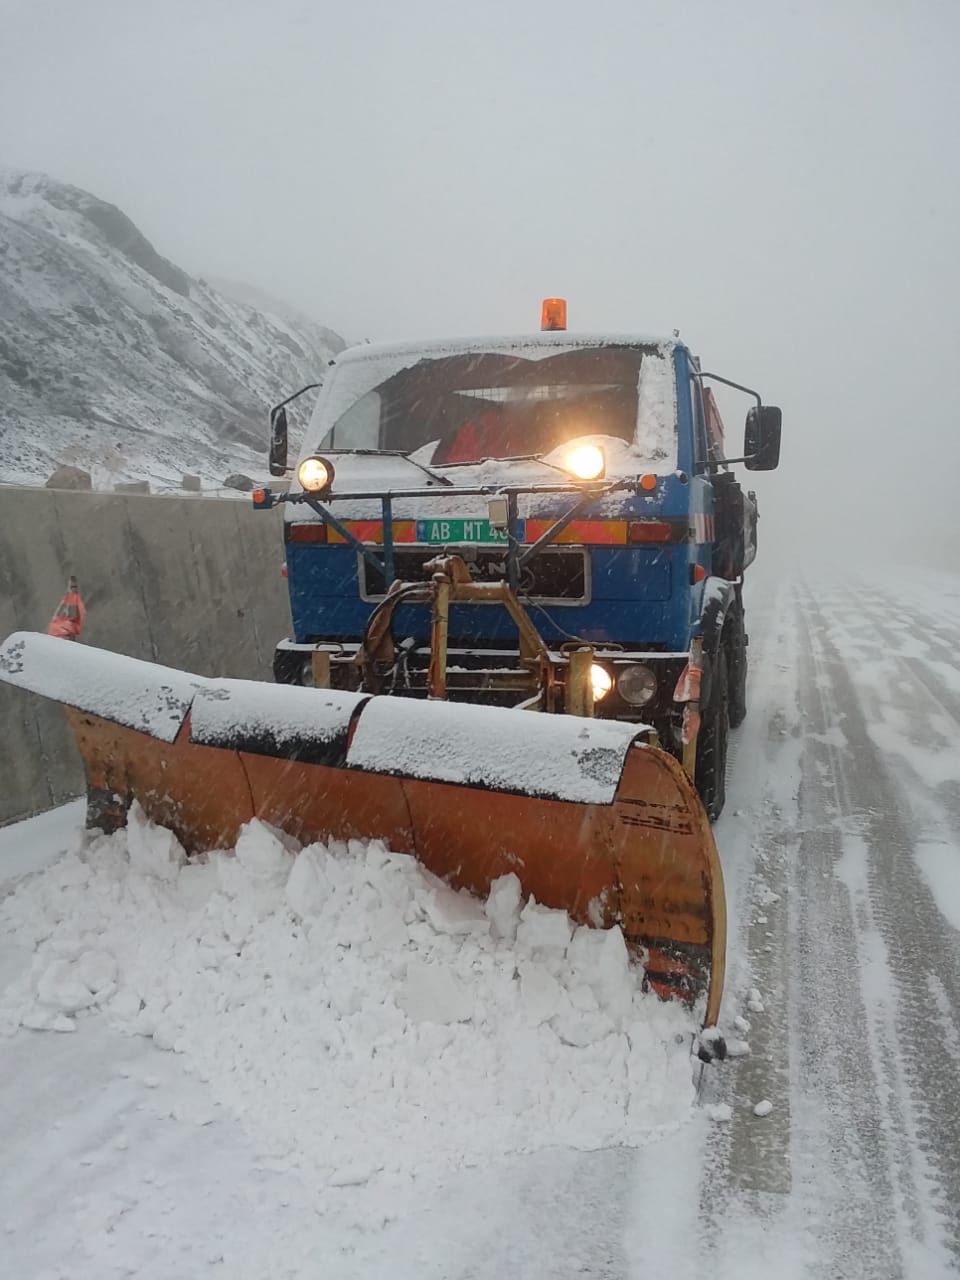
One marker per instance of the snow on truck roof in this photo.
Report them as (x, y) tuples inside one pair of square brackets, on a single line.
[(532, 345)]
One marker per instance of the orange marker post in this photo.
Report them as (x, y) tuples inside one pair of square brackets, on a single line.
[(71, 611)]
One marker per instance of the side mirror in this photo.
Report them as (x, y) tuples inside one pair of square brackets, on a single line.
[(278, 441), (761, 442)]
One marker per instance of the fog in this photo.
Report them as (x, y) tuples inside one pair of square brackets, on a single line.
[(777, 181)]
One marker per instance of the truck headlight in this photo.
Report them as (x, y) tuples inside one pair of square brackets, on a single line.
[(586, 462), (315, 475), (601, 681), (636, 684)]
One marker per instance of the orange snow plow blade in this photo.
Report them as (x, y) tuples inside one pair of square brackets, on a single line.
[(591, 819)]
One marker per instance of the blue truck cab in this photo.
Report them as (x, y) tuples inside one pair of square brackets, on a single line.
[(586, 471)]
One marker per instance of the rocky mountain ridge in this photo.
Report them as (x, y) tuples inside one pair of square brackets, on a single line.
[(114, 359)]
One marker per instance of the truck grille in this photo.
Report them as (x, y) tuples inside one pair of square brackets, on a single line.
[(557, 575)]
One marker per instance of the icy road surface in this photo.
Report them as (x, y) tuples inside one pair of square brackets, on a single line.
[(828, 1147)]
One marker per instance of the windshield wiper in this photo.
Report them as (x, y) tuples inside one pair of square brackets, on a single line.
[(517, 457), (395, 453)]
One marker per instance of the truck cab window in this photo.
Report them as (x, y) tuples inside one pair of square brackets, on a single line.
[(502, 404), (359, 427)]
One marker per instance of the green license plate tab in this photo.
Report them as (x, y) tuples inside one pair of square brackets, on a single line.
[(449, 532)]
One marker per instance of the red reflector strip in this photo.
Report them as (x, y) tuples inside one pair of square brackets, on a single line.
[(306, 532), (372, 531), (595, 532), (650, 531), (363, 530)]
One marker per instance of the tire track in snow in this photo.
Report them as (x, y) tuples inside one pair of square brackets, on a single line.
[(739, 1223), (941, 646), (928, 692), (842, 1151), (901, 1133), (935, 808), (747, 1174)]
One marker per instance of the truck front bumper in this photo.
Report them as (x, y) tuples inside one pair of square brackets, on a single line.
[(496, 677)]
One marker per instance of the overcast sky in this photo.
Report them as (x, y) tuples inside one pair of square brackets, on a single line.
[(778, 181)]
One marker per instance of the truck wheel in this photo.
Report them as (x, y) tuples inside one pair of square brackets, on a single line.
[(711, 770), (735, 641)]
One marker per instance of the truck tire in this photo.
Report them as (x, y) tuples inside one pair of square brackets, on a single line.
[(735, 642), (711, 769)]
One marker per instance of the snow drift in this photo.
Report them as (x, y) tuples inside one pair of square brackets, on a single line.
[(362, 1020)]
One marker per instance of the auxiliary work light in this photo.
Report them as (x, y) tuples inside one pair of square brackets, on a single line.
[(315, 475), (601, 680), (586, 462)]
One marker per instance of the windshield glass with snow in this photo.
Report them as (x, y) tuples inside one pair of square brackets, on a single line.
[(466, 407)]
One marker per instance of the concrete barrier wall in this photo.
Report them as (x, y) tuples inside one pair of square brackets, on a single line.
[(193, 583)]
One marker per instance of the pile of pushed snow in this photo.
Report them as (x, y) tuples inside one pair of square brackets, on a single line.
[(361, 1018)]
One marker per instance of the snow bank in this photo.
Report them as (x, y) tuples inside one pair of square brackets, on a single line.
[(361, 1019)]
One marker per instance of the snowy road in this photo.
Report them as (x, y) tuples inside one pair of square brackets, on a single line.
[(841, 852), (848, 781)]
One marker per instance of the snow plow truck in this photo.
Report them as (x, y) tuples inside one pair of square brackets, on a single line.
[(515, 569)]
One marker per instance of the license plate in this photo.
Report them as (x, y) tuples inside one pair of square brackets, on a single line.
[(455, 532)]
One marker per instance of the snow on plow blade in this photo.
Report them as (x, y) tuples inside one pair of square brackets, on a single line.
[(590, 819)]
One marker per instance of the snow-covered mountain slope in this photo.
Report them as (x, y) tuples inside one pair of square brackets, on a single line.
[(114, 359), (262, 300)]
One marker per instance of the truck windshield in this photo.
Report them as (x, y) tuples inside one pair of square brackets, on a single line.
[(470, 406)]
